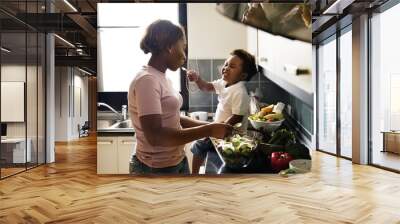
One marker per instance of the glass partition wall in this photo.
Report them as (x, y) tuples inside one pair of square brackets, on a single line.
[(334, 94), (327, 96), (22, 107), (385, 89), (345, 64)]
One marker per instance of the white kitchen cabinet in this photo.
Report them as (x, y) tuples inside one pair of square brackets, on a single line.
[(274, 52), (126, 148), (107, 155), (114, 154), (280, 57), (266, 50)]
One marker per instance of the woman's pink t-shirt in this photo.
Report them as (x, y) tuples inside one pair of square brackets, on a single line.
[(151, 92)]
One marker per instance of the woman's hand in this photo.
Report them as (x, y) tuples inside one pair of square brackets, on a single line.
[(220, 130), (192, 76)]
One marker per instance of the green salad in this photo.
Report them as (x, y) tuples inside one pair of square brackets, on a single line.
[(237, 145)]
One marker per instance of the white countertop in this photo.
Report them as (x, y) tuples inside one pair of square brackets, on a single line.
[(13, 140)]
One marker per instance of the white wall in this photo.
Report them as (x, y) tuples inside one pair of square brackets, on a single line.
[(67, 115), (13, 72), (210, 34), (33, 126), (80, 83), (16, 73), (61, 103)]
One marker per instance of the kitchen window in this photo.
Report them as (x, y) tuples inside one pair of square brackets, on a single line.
[(120, 29)]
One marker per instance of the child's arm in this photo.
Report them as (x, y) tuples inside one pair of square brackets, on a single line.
[(203, 85), (232, 120)]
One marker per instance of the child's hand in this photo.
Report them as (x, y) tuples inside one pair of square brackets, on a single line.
[(192, 76)]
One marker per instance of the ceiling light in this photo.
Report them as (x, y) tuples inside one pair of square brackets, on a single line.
[(65, 41), (5, 50), (70, 5), (84, 71)]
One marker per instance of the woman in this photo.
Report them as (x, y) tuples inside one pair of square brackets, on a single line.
[(154, 106)]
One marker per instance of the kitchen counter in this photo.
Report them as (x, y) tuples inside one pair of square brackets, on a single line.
[(116, 132), (214, 165), (297, 85)]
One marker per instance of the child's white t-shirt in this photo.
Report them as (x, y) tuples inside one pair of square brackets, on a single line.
[(231, 100)]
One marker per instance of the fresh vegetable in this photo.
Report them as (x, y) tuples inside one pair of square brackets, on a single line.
[(275, 117), (282, 137), (280, 161), (237, 150), (265, 110), (238, 145), (266, 114)]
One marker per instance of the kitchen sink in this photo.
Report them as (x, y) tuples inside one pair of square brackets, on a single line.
[(101, 124), (114, 126), (122, 124)]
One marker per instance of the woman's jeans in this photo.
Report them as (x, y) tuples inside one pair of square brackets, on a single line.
[(201, 147), (137, 167)]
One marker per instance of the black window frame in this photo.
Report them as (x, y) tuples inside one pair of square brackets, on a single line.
[(381, 9), (182, 11), (333, 34), (28, 29)]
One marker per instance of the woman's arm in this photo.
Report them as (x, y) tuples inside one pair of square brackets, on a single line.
[(186, 122), (157, 135)]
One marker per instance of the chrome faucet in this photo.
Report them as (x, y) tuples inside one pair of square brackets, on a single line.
[(124, 111), (122, 115)]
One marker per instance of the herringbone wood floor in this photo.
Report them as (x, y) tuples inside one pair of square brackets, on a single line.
[(69, 191)]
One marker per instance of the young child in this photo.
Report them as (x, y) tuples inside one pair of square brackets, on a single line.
[(233, 99)]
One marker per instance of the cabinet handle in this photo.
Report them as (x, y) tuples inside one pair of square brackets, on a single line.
[(264, 59), (128, 142), (105, 143)]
